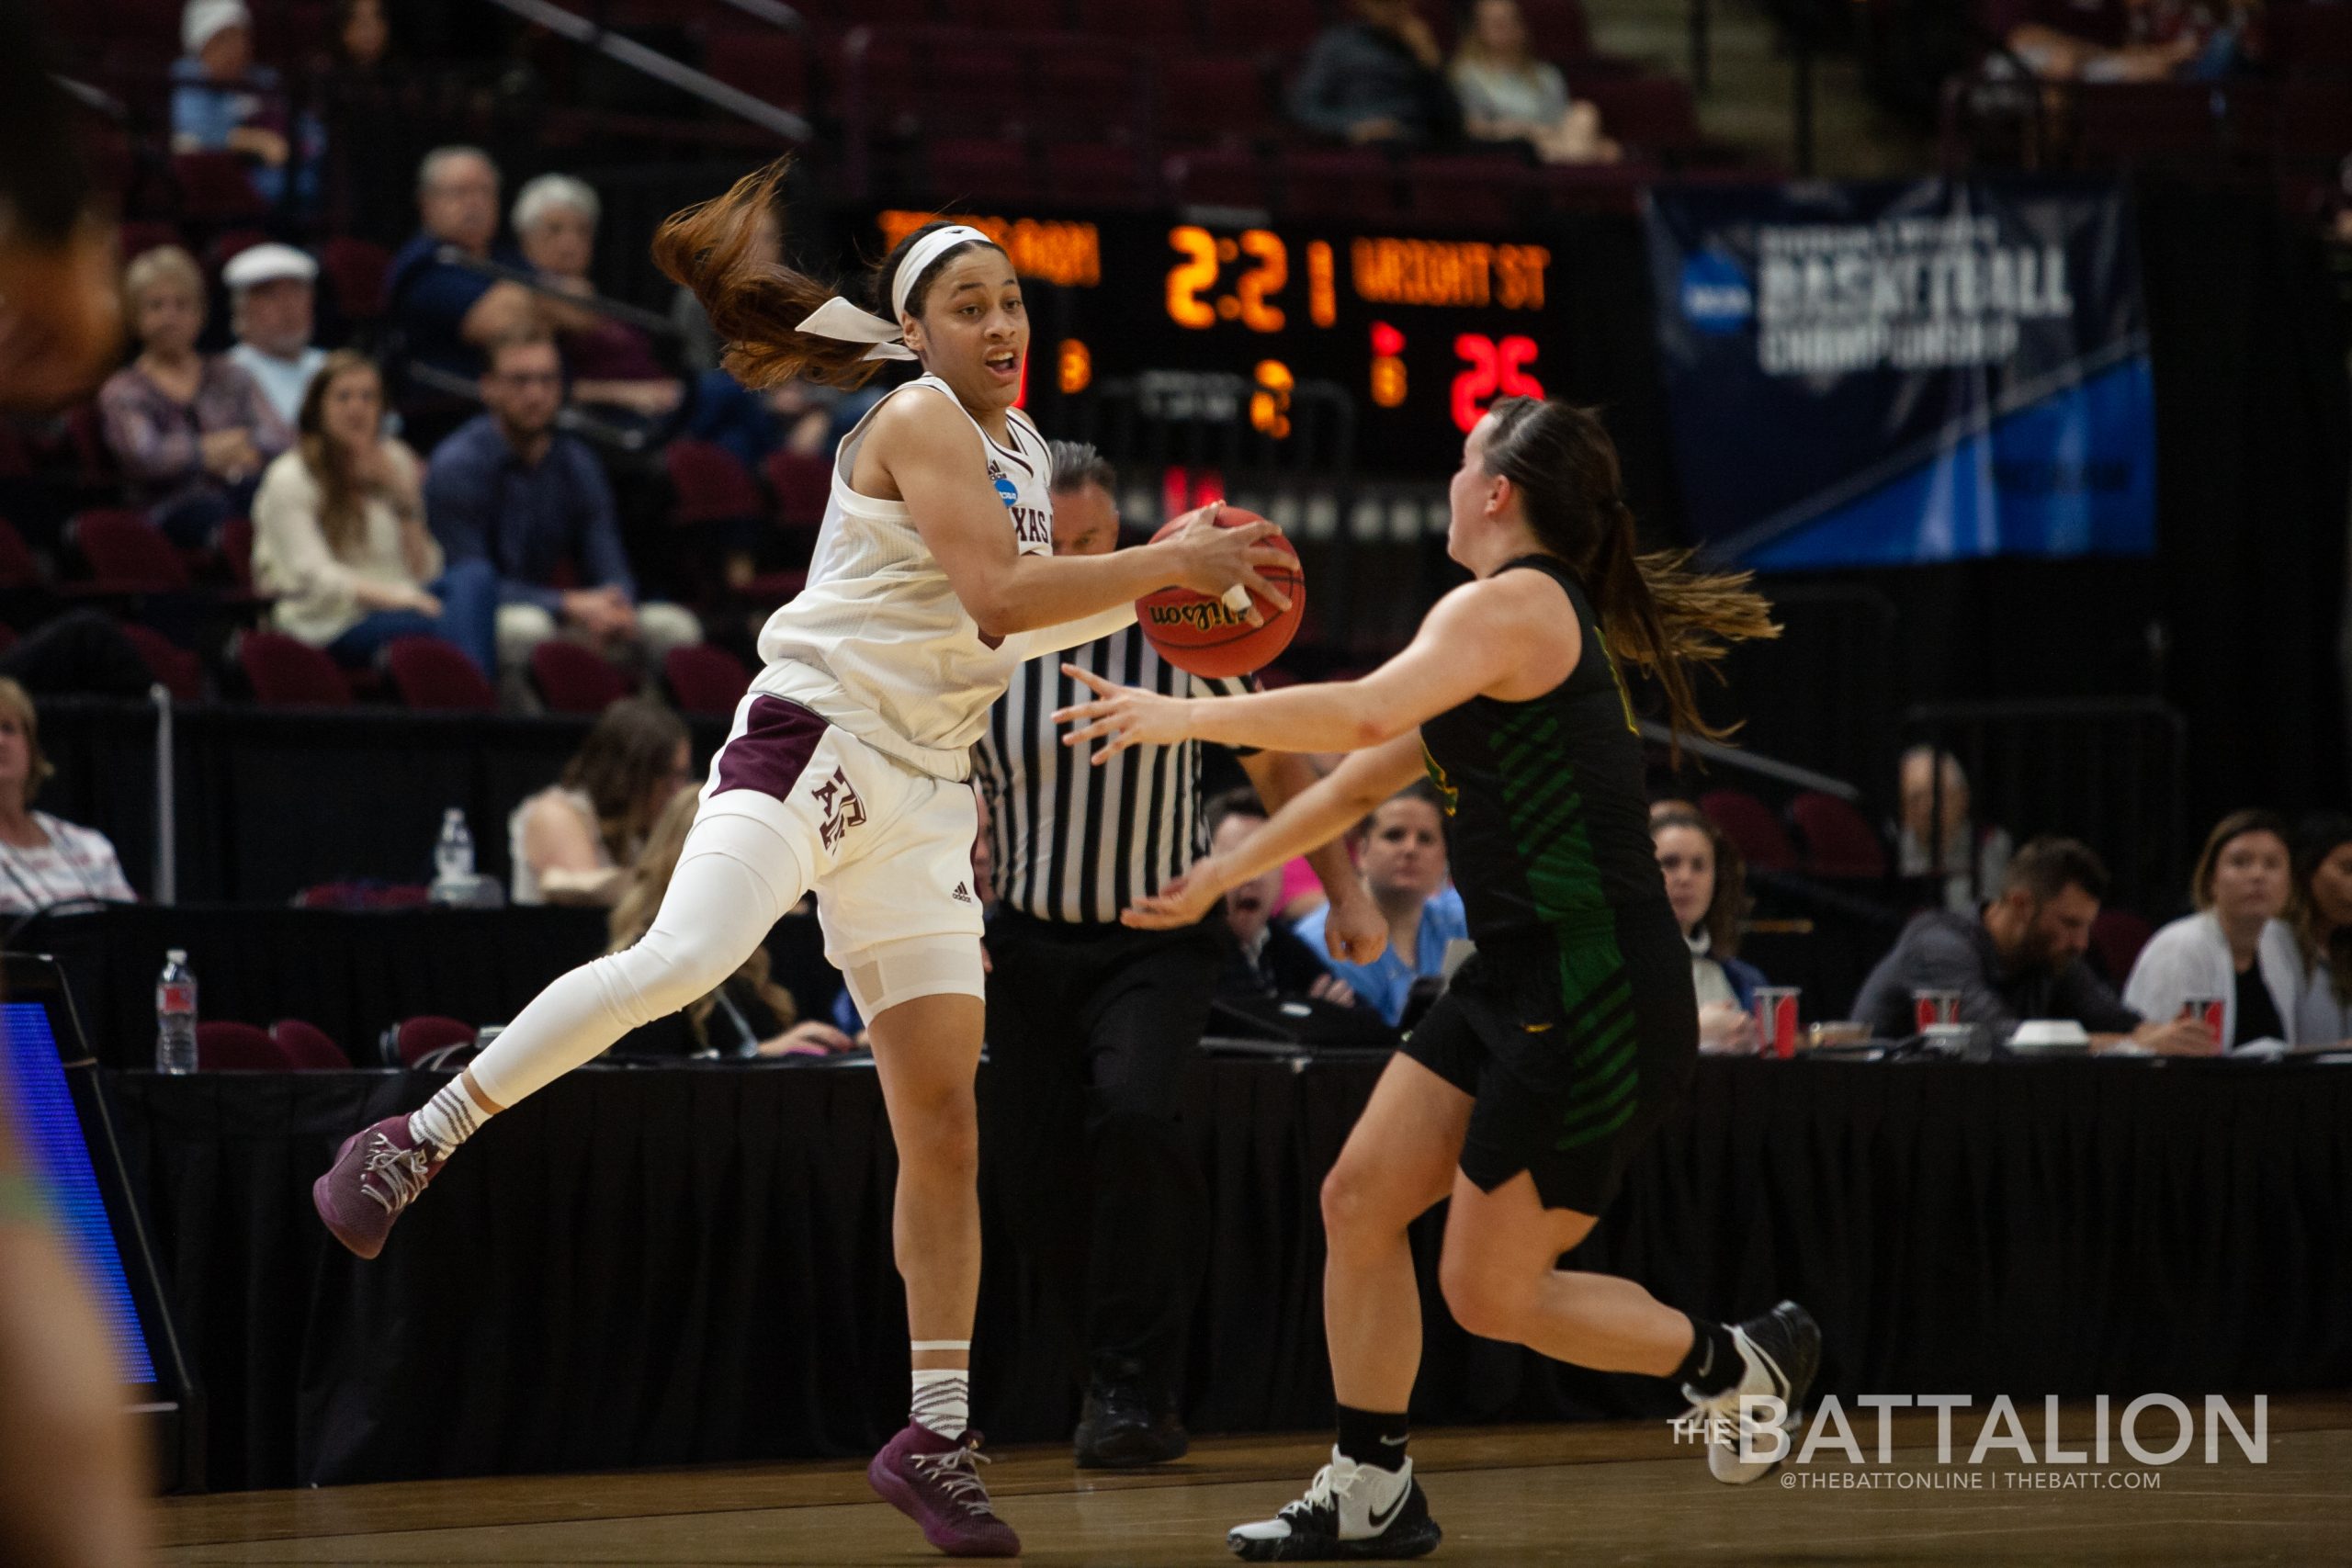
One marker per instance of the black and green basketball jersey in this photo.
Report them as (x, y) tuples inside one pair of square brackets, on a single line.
[(1548, 823)]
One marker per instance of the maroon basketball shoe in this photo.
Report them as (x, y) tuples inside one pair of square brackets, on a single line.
[(935, 1482), (379, 1172)]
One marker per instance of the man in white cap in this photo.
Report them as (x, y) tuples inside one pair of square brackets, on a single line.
[(269, 310)]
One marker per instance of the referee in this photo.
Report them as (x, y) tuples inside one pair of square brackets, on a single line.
[(1089, 1023)]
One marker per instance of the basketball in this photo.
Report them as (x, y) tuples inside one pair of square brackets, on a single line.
[(1195, 632)]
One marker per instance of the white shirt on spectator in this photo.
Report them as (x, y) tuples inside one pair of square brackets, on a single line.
[(2190, 957), (2321, 1022), (283, 381), (77, 862)]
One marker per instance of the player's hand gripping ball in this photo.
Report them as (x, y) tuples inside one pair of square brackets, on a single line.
[(1200, 633)]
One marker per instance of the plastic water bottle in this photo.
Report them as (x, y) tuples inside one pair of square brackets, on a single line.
[(175, 1015), (453, 854)]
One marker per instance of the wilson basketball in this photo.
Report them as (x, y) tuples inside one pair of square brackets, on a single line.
[(1195, 631)]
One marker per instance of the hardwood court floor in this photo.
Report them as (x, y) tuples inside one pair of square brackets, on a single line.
[(1579, 1495)]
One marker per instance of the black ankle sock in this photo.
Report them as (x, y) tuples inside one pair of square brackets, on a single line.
[(1714, 1362), (1375, 1436)]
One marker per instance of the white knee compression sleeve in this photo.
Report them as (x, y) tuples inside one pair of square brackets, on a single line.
[(735, 879)]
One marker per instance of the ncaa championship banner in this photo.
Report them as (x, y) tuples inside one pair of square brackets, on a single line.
[(1880, 374)]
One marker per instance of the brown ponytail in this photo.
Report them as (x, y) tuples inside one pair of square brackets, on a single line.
[(755, 303), (1653, 608)]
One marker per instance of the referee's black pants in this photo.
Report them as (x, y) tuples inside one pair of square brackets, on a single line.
[(1089, 1027)]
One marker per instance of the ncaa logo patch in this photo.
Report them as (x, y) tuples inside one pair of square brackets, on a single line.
[(1006, 492)]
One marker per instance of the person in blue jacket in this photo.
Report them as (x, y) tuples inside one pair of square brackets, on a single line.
[(1708, 887)]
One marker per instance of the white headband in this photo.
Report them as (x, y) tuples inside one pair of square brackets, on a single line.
[(845, 322)]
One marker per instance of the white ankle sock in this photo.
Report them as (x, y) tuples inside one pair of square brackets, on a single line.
[(448, 1119), (943, 1396)]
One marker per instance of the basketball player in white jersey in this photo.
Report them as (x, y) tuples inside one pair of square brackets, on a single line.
[(845, 772)]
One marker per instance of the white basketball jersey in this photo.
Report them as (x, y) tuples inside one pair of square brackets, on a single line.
[(877, 642)]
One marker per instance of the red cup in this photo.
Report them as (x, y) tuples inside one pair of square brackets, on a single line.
[(1930, 1009), (1776, 1021), (2208, 1010)]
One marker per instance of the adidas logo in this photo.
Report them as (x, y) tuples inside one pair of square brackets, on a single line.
[(962, 894)]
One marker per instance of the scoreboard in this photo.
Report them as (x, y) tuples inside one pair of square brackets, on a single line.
[(1420, 334)]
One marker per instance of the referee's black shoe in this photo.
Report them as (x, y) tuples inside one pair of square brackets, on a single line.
[(1120, 1428)]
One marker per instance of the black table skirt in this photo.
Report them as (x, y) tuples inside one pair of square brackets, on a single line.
[(683, 1265)]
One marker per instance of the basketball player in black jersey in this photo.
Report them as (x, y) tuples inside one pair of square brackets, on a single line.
[(1571, 1032)]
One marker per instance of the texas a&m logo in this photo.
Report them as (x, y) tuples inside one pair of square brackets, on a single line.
[(842, 808)]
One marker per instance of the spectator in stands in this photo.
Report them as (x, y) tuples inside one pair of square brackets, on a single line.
[(2116, 41), (575, 841), (1974, 858), (270, 298), (376, 105), (1378, 78), (1404, 867), (192, 431), (1508, 95), (223, 101), (2235, 946), (339, 535), (445, 312), (2019, 957), (43, 861), (2322, 919), (1708, 887), (749, 1014), (1269, 959), (611, 363), (508, 487)]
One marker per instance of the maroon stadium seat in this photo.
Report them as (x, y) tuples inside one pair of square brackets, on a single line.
[(307, 1045), (1217, 98), (355, 268), (416, 1038), (284, 672), (1281, 26), (1161, 20), (1654, 113), (709, 483), (1339, 185), (128, 554), (1749, 824), (239, 1048), (18, 569), (992, 169), (2117, 937), (433, 674), (1097, 174), (1218, 178), (236, 547), (802, 483), (176, 670), (1839, 842), (1470, 193), (771, 66), (572, 678), (704, 679), (214, 188)]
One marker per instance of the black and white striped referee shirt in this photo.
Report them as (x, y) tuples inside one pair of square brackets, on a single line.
[(1073, 841)]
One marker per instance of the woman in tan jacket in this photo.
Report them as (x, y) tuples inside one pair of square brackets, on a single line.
[(339, 535)]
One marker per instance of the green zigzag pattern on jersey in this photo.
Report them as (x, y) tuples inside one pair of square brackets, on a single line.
[(1541, 799)]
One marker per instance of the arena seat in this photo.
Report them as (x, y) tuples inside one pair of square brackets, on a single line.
[(572, 678), (285, 673), (2117, 937), (308, 1046), (704, 679), (176, 670), (974, 169), (222, 1047), (235, 546), (1839, 842), (802, 482), (433, 674), (1217, 98), (414, 1039), (214, 188), (771, 66), (1749, 824), (355, 269), (1218, 178), (126, 553), (18, 566), (1097, 174), (708, 484), (1340, 184)]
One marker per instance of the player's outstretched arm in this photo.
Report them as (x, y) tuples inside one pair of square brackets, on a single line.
[(1482, 635), (1308, 820), (932, 455)]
